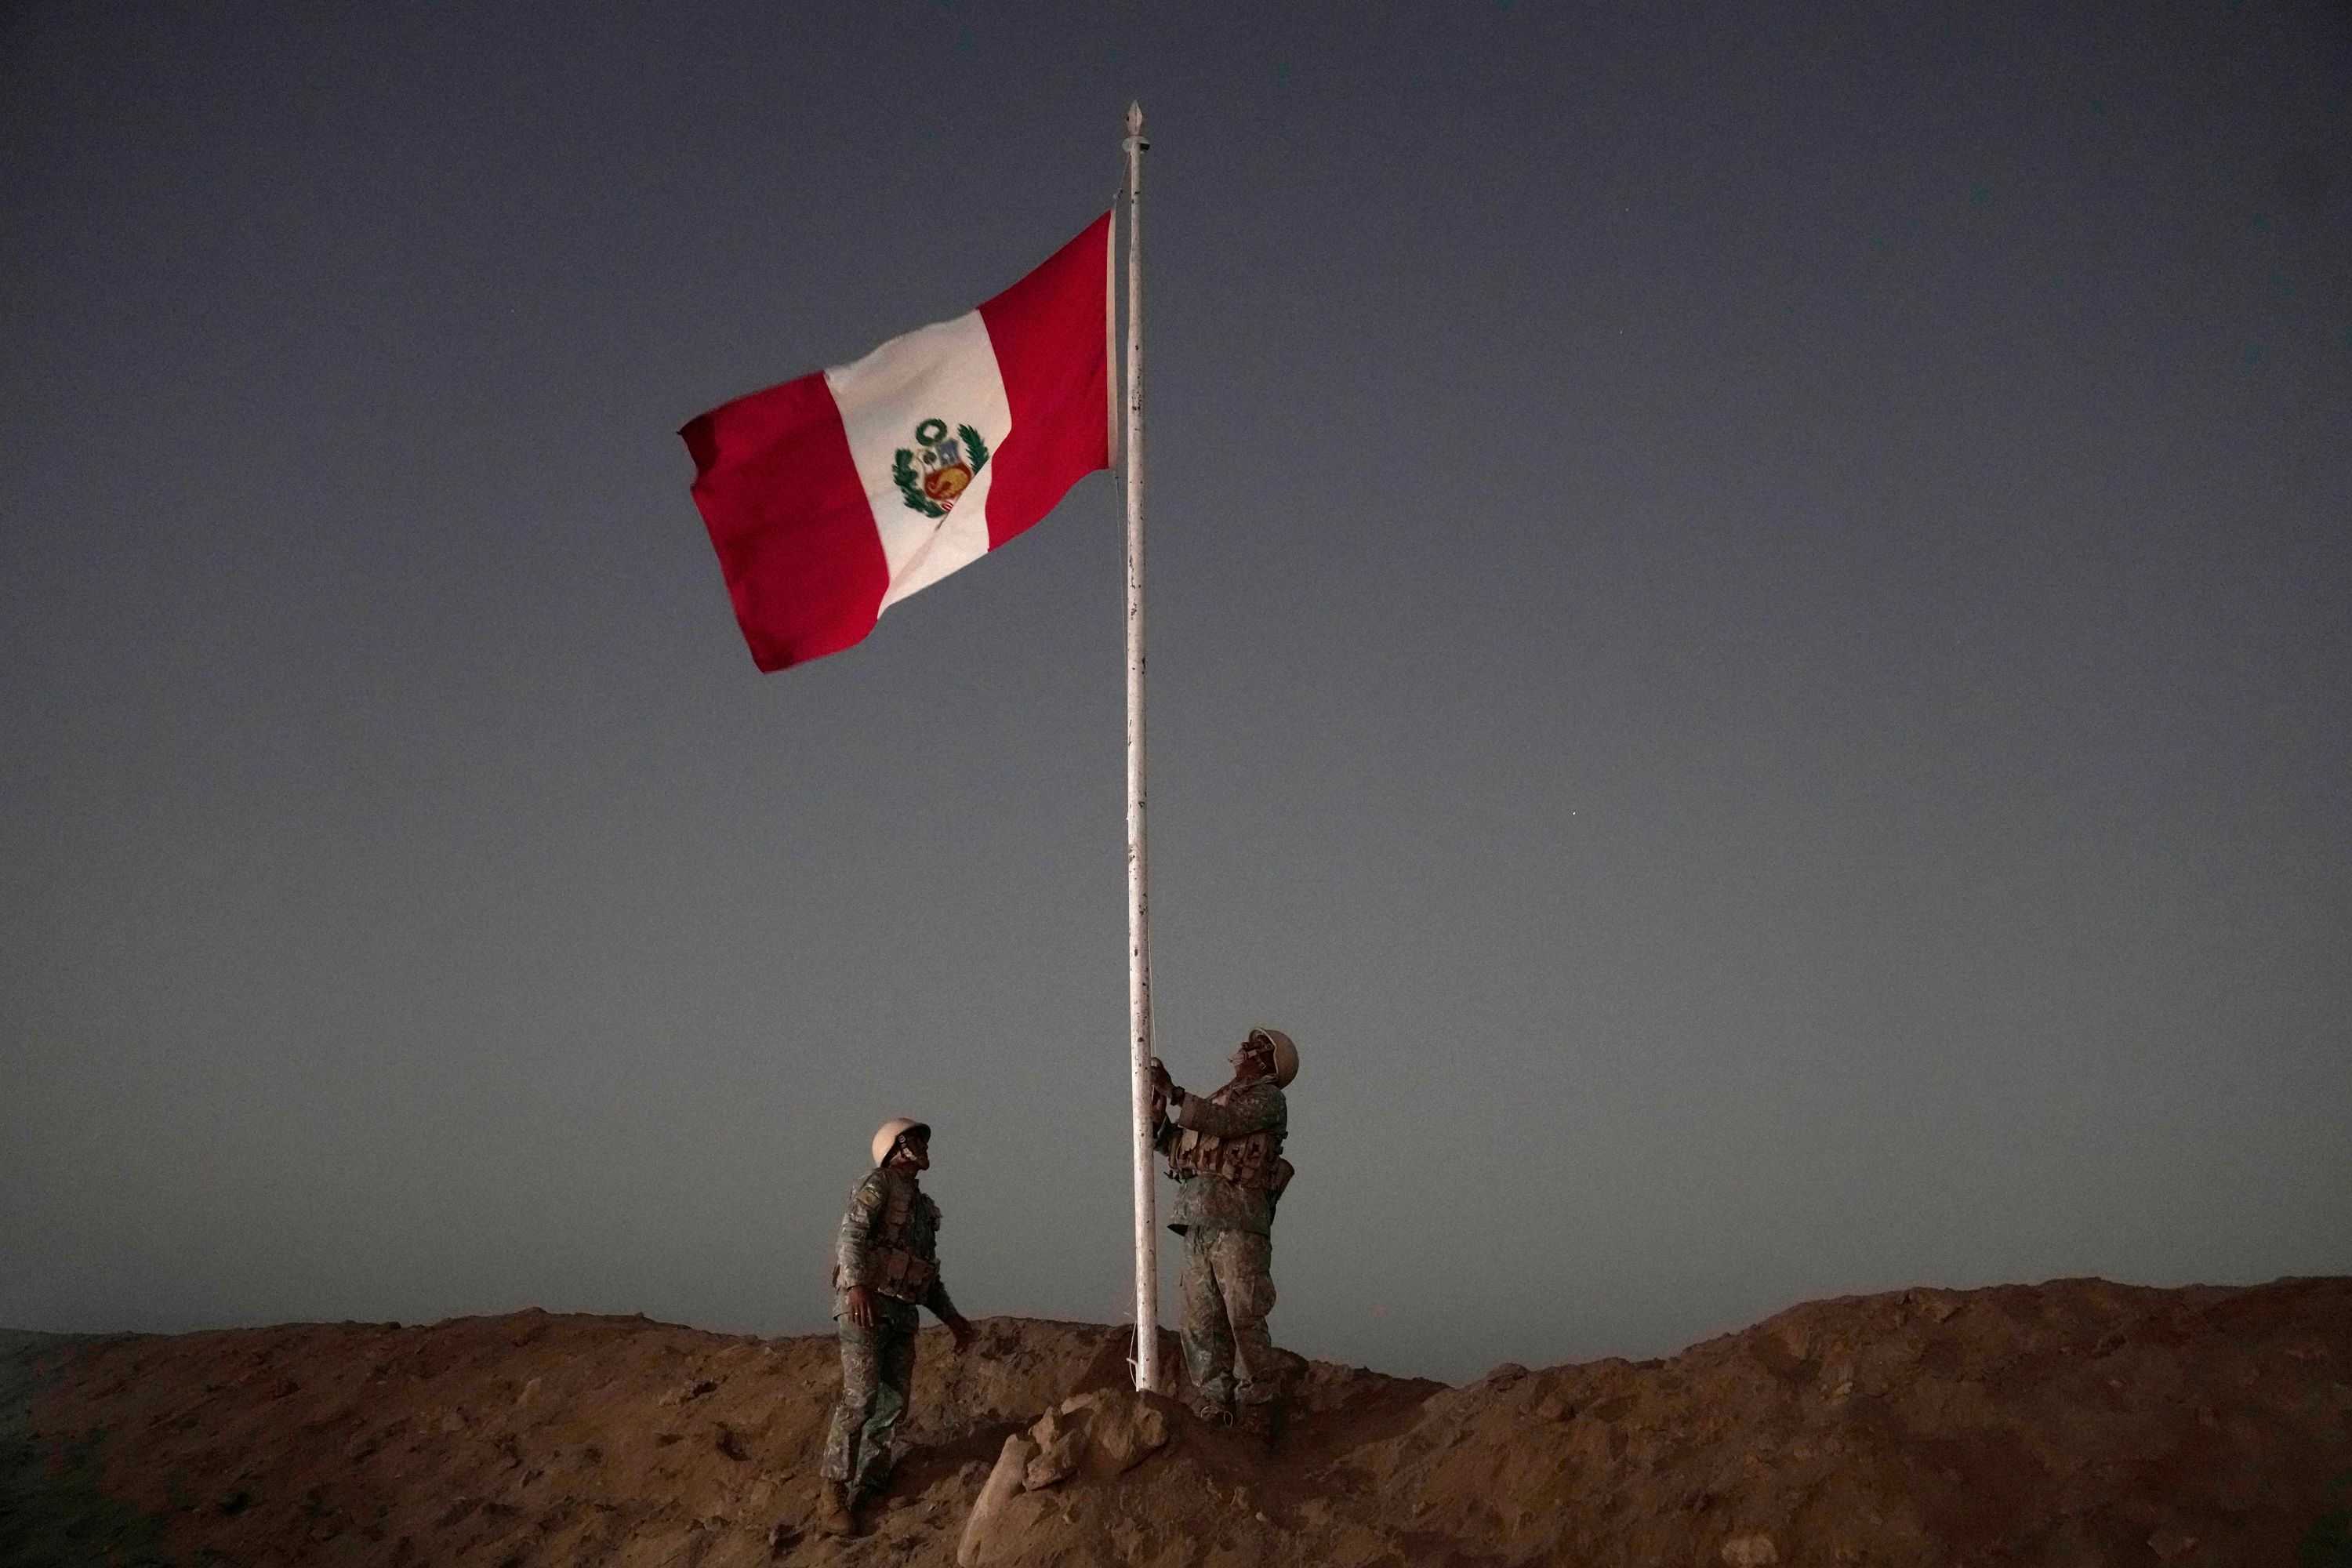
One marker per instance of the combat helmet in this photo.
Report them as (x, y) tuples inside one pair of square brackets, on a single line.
[(886, 1136), (1286, 1055)]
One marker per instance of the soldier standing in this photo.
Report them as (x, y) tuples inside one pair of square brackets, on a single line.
[(886, 1265), (1225, 1151)]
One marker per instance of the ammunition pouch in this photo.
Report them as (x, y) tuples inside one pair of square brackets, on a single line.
[(1251, 1161), (899, 1274), (892, 1268)]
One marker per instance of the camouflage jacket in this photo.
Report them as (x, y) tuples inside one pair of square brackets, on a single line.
[(865, 1232), (1212, 1203)]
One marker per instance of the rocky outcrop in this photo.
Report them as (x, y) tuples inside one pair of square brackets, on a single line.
[(1094, 1437), (2077, 1422)]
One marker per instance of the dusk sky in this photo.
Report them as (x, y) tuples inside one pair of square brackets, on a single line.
[(1751, 616)]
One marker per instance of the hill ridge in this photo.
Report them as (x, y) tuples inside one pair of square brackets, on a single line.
[(2077, 1421)]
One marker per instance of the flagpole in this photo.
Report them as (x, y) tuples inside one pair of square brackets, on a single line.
[(1138, 864)]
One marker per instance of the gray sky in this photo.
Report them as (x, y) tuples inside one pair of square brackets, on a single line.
[(1751, 647)]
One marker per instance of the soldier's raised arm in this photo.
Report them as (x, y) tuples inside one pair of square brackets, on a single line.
[(1163, 1089), (1253, 1108)]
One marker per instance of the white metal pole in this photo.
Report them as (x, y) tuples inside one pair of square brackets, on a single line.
[(1138, 863)]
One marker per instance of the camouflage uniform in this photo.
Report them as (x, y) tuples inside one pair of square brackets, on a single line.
[(888, 1213), (1227, 1227)]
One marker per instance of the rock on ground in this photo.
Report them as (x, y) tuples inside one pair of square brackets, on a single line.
[(2077, 1422)]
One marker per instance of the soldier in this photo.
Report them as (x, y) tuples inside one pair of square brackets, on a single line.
[(885, 1265), (1225, 1151)]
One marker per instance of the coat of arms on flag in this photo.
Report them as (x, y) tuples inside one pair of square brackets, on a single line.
[(939, 467)]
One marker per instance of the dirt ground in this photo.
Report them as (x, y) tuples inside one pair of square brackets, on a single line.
[(2077, 1422)]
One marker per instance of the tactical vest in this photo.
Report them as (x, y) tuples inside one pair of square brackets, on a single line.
[(899, 1272), (1253, 1160)]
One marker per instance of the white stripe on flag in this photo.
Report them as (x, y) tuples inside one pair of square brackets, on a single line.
[(946, 377)]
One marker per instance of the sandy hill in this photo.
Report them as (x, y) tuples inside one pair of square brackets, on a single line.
[(2077, 1423)]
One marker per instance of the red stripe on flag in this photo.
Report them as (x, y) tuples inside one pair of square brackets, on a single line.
[(1047, 330), (778, 491)]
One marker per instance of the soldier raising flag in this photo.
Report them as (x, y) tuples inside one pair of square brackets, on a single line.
[(1225, 1151)]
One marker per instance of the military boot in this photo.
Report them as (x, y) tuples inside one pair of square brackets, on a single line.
[(834, 1516)]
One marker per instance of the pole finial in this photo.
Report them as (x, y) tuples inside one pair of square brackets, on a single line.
[(1135, 116)]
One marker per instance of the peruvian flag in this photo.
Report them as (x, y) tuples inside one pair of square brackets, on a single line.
[(834, 497)]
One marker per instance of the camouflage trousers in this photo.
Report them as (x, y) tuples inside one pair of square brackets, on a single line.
[(877, 1368), (1228, 1289)]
